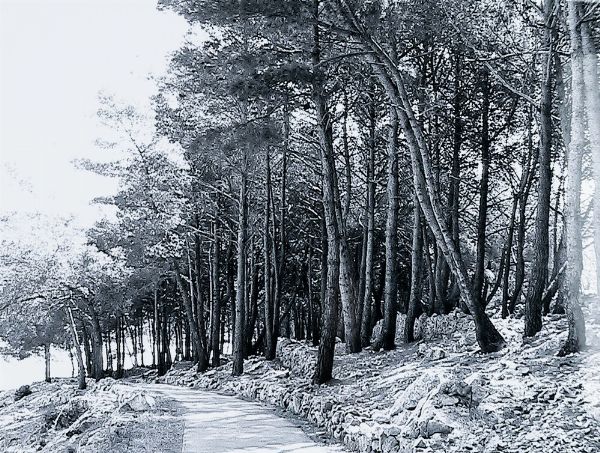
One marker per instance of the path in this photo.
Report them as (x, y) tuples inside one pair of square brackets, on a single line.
[(224, 424)]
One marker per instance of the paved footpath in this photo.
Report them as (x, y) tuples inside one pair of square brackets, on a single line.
[(224, 424)]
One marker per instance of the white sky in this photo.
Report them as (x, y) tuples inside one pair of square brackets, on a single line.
[(55, 56)]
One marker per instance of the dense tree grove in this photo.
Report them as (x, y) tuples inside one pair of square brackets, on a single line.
[(316, 168)]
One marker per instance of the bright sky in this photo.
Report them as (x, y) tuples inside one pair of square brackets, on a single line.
[(55, 56)]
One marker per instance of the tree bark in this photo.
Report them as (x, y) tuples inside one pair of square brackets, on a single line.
[(98, 360), (47, 362), (414, 303), (479, 276), (539, 269), (576, 337), (240, 312), (268, 303), (388, 332), (592, 102), (324, 368), (215, 313), (81, 376), (507, 258), (370, 230), (200, 321)]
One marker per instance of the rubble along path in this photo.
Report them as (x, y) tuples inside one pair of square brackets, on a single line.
[(224, 424)]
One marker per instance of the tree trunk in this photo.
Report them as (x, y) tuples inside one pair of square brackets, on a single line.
[(483, 193), (200, 320), (251, 306), (216, 298), (98, 361), (88, 349), (388, 331), (524, 190), (370, 230), (268, 305), (539, 268), (47, 362), (81, 376), (240, 302), (199, 353), (592, 100), (324, 368), (414, 303), (576, 338), (488, 337), (507, 258)]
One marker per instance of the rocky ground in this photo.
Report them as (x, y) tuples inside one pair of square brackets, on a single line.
[(437, 395), (109, 416)]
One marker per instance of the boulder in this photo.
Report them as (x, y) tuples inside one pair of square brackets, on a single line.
[(414, 393), (434, 426), (22, 392), (139, 403)]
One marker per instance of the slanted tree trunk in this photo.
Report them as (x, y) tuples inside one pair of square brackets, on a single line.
[(539, 268), (80, 364), (576, 337), (87, 348), (488, 337)]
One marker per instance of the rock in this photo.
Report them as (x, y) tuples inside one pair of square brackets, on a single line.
[(431, 427), (431, 353), (392, 430), (456, 388), (415, 392), (139, 403), (68, 415), (22, 392), (419, 443), (442, 400), (492, 444), (380, 416), (436, 354), (389, 444)]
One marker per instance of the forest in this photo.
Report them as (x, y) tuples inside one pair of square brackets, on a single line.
[(332, 171)]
